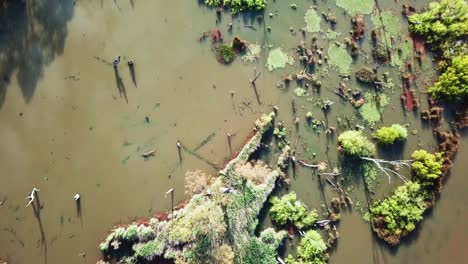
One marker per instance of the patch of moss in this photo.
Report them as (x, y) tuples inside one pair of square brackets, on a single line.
[(356, 6), (312, 20), (339, 57)]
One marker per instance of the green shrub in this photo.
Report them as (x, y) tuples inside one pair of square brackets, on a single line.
[(388, 135), (280, 135), (453, 83), (399, 213), (238, 5), (258, 252), (354, 143), (311, 250), (427, 167), (442, 25), (225, 53), (289, 210)]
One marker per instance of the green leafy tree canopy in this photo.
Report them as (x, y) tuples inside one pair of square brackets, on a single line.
[(354, 143)]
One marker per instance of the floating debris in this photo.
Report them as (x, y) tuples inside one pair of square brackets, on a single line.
[(278, 59), (339, 57), (356, 6), (312, 20), (253, 53)]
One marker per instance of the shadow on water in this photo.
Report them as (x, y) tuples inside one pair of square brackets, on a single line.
[(120, 84), (131, 67), (37, 207), (32, 34)]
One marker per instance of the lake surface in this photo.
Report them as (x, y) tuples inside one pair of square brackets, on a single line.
[(70, 123)]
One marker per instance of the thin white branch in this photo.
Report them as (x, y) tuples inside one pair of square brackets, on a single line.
[(398, 164), (32, 196)]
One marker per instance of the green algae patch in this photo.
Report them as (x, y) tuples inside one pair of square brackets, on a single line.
[(388, 22), (356, 6), (312, 20), (339, 58), (372, 110), (399, 58), (278, 59), (331, 34), (300, 92)]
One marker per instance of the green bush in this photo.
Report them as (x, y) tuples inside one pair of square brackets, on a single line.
[(427, 167), (239, 5), (225, 53), (280, 135), (398, 214), (289, 210), (354, 143), (311, 250), (442, 25), (453, 83), (388, 135)]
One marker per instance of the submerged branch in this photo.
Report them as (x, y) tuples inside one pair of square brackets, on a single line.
[(397, 164)]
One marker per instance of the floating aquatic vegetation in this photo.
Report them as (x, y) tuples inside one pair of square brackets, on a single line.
[(339, 57), (356, 6), (300, 92), (312, 20), (399, 58), (331, 34), (238, 5), (278, 59), (253, 53), (389, 22), (371, 111)]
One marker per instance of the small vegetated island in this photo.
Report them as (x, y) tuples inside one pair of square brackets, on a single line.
[(219, 223)]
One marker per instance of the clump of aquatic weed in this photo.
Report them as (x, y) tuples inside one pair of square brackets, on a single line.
[(238, 5), (225, 53)]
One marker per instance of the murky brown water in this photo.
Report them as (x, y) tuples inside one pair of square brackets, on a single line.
[(66, 127)]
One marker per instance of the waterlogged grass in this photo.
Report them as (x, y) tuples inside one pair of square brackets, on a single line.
[(356, 6), (278, 59), (339, 58), (312, 20)]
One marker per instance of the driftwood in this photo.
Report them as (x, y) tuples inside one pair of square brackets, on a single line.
[(256, 77), (331, 183), (32, 196), (303, 163), (149, 153), (280, 260), (395, 163)]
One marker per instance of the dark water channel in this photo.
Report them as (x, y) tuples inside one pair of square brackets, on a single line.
[(71, 123)]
